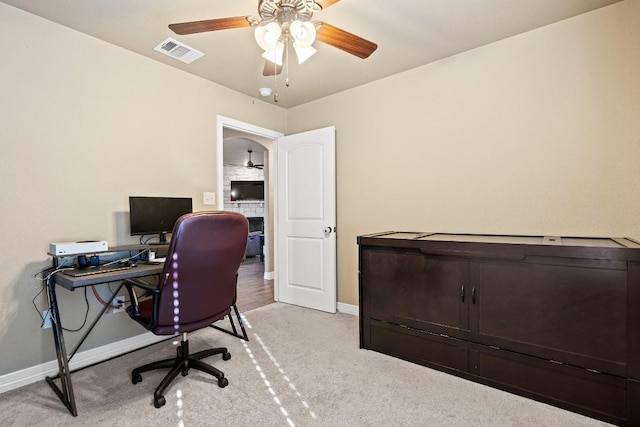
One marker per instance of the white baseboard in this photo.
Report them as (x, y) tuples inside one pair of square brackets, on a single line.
[(27, 376), (269, 275), (348, 309)]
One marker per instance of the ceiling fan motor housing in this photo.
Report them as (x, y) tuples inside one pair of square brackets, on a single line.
[(287, 10)]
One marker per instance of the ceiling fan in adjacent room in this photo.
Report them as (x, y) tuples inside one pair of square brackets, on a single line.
[(282, 23), (250, 164)]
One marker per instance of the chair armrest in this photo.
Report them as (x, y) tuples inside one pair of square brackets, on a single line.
[(151, 288), (140, 283)]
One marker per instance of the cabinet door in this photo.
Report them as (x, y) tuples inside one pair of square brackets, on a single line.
[(408, 288), (569, 310)]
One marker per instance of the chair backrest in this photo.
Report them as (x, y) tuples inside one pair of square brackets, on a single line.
[(198, 284)]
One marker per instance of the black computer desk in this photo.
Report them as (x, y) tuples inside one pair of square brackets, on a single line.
[(65, 390)]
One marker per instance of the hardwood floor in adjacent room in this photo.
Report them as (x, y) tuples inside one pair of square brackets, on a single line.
[(253, 290)]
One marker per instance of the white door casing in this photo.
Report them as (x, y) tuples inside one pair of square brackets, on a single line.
[(228, 123), (306, 216)]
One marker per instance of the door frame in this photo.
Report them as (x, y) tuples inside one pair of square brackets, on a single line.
[(223, 122)]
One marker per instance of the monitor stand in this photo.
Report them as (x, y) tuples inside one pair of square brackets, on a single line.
[(163, 239)]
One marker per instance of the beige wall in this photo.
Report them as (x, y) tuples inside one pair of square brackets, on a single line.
[(83, 125), (538, 134)]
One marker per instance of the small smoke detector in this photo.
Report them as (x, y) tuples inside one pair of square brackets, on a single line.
[(179, 51)]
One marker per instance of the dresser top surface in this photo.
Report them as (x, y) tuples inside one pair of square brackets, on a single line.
[(602, 242)]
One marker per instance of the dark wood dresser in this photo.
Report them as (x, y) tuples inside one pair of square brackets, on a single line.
[(556, 319)]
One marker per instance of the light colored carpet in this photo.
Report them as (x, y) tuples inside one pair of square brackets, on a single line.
[(300, 368)]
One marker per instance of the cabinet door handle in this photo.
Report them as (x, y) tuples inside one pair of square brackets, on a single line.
[(473, 295), (462, 293)]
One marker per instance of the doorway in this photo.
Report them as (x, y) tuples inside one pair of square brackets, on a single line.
[(305, 184), (256, 276)]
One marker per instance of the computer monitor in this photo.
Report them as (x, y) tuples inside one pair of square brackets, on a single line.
[(156, 215)]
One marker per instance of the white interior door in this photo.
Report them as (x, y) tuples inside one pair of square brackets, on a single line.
[(306, 216)]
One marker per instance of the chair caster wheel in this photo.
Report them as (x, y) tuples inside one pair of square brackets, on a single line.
[(136, 378), (226, 356), (185, 373), (223, 382), (159, 401)]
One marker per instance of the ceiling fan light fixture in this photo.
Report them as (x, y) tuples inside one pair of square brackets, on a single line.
[(265, 91)]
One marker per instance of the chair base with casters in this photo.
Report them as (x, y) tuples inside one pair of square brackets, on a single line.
[(181, 364)]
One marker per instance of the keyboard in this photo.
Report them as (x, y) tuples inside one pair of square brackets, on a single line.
[(100, 269)]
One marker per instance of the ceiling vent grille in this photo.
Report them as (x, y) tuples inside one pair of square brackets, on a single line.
[(177, 50)]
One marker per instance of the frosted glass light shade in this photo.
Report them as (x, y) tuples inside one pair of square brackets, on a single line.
[(276, 54), (304, 33), (267, 36), (304, 52)]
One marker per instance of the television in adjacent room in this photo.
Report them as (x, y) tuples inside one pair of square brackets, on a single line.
[(156, 215), (247, 191)]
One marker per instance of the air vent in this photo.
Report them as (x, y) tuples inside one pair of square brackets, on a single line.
[(177, 50)]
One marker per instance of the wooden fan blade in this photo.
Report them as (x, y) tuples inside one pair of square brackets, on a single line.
[(326, 3), (346, 41), (210, 25), (271, 69)]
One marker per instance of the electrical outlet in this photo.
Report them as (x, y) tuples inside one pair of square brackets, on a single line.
[(118, 301), (46, 323)]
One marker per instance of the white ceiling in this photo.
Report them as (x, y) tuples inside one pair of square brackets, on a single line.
[(236, 145), (409, 33)]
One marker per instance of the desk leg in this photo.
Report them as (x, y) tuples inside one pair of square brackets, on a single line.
[(244, 335), (95, 321), (65, 392)]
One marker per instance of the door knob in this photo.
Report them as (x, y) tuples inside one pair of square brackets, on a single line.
[(327, 230)]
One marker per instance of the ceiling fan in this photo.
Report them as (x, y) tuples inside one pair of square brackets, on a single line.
[(250, 164), (281, 22)]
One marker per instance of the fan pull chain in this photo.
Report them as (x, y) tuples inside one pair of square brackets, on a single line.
[(275, 87), (286, 80)]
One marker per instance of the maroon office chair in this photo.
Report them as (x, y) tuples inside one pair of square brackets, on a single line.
[(196, 288)]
